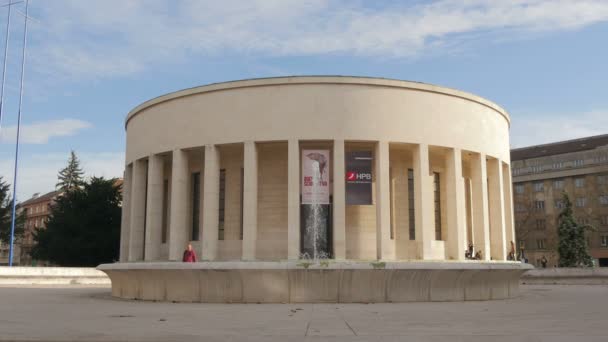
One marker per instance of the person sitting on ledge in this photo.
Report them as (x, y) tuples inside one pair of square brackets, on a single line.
[(511, 254), (189, 254)]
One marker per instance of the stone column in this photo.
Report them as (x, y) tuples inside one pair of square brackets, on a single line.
[(138, 211), (456, 209), (125, 221), (509, 220), (384, 249), (498, 246), (423, 202), (339, 204), (250, 200), (479, 207), (211, 201), (293, 199), (178, 238), (154, 207)]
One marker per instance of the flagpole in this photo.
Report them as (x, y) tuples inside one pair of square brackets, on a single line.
[(8, 27), (10, 261)]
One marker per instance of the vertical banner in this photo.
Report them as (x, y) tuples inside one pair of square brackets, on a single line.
[(315, 177), (359, 178)]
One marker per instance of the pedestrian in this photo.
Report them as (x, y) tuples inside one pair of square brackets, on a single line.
[(189, 254), (511, 254), (543, 262), (471, 252)]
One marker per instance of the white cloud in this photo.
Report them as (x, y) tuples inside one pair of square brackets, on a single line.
[(541, 129), (86, 39), (38, 173), (40, 132)]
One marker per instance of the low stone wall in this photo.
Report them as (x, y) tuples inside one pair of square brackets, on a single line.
[(303, 282), (566, 276), (52, 276)]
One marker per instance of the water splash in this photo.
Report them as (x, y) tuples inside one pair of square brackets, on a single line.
[(316, 225)]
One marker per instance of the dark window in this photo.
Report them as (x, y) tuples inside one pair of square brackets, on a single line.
[(196, 201), (541, 224), (242, 200), (222, 204), (539, 205), (410, 203), (390, 190), (541, 243), (437, 192), (165, 211)]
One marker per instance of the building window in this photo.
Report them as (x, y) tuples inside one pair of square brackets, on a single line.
[(540, 243), (541, 224), (520, 208), (222, 205), (410, 203), (539, 205), (604, 220), (581, 202), (604, 199), (519, 189), (538, 187), (559, 204), (579, 182), (165, 219), (602, 179), (604, 240), (196, 201), (242, 200), (392, 202), (558, 165), (579, 163), (437, 183), (583, 221), (558, 184), (537, 169)]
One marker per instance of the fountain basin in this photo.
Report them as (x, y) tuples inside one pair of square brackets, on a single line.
[(315, 282)]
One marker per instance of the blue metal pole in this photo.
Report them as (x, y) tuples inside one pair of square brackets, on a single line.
[(10, 257), (8, 29)]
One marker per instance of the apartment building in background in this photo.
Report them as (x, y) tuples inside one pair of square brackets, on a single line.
[(37, 209), (541, 174)]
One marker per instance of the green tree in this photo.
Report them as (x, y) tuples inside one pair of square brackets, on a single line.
[(573, 250), (6, 208), (70, 177), (83, 227)]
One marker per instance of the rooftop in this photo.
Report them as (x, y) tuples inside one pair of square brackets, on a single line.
[(561, 147), (318, 79), (46, 197)]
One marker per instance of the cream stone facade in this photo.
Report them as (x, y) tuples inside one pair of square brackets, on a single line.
[(218, 166)]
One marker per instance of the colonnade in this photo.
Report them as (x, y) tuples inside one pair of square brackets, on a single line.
[(490, 209)]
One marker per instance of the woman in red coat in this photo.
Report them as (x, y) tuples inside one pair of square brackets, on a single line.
[(189, 255)]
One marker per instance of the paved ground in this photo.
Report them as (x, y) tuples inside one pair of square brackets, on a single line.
[(541, 313)]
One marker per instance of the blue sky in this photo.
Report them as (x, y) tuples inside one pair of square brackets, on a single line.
[(90, 62)]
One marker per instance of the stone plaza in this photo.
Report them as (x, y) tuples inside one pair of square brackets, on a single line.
[(540, 313)]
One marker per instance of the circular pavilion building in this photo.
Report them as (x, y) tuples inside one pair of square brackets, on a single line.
[(390, 184)]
